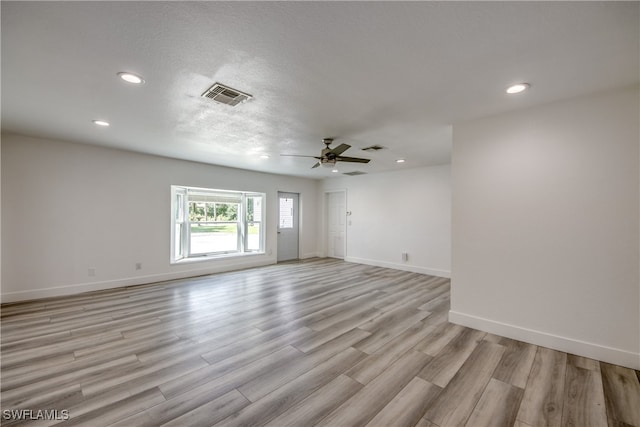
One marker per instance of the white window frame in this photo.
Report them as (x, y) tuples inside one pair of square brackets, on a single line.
[(181, 224)]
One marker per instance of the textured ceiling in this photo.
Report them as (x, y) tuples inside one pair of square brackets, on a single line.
[(390, 73)]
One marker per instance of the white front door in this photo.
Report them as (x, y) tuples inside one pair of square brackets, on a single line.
[(287, 226), (336, 223)]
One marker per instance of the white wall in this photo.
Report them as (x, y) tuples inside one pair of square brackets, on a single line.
[(546, 225), (70, 207), (0, 215), (395, 212)]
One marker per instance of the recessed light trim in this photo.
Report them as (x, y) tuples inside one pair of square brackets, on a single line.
[(131, 78), (334, 170), (518, 88), (264, 156), (102, 123), (400, 161)]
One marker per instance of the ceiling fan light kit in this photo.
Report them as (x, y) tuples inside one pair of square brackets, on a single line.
[(328, 163)]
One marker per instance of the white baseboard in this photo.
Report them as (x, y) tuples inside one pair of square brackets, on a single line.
[(568, 345), (310, 255), (130, 281), (399, 266)]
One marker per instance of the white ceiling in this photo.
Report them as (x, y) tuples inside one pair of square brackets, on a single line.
[(398, 74)]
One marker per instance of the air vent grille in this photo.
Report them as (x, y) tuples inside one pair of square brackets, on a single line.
[(226, 95), (374, 148), (354, 173)]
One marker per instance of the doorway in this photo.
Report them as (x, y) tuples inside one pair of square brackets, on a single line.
[(336, 217), (288, 230)]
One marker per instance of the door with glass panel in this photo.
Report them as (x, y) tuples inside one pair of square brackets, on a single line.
[(288, 232)]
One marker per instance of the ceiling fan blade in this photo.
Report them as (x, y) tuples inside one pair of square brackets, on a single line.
[(340, 149), (352, 159), (316, 165), (299, 155)]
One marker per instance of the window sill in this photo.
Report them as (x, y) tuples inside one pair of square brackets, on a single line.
[(214, 257)]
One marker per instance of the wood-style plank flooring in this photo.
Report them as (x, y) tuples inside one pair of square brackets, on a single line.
[(316, 342)]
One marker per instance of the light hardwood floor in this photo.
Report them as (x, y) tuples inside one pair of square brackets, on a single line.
[(316, 342)]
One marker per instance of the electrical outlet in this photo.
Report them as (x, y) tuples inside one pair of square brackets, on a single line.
[(91, 272), (405, 256), (138, 266)]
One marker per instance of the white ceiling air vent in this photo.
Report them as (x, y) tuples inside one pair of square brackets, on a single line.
[(374, 148), (354, 173), (226, 95)]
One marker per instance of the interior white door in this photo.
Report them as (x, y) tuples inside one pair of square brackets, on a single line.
[(288, 232), (336, 224)]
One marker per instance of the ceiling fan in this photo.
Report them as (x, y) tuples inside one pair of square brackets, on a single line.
[(329, 156)]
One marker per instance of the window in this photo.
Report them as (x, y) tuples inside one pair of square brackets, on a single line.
[(209, 223)]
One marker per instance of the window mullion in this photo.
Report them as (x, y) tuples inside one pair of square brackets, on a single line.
[(186, 222), (241, 224)]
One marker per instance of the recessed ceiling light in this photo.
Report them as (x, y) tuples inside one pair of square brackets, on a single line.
[(131, 78), (264, 156), (400, 161), (100, 123), (518, 88), (334, 170)]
